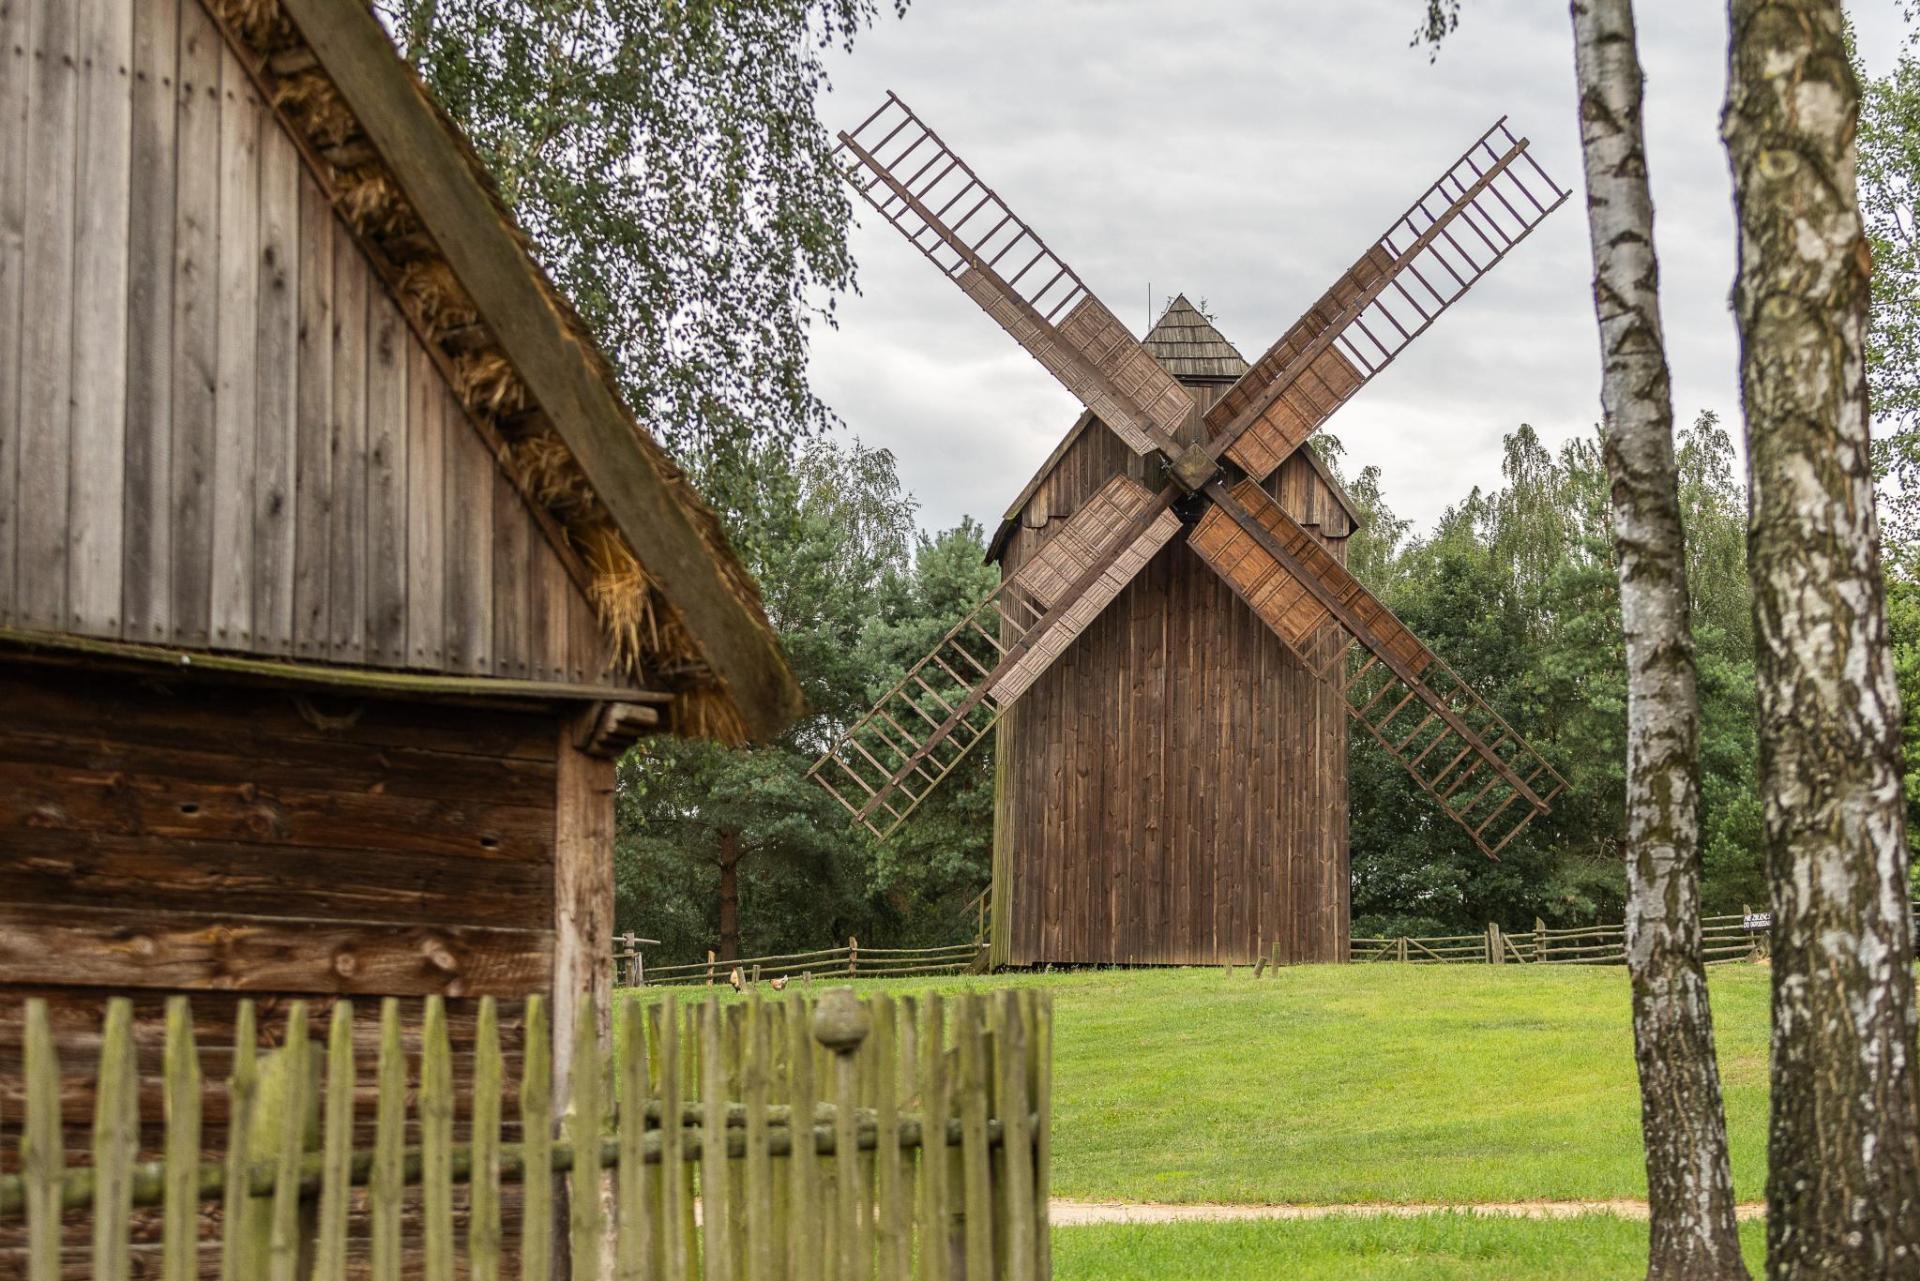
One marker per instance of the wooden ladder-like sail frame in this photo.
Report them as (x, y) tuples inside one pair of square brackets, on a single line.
[(932, 197), (1482, 774), (1493, 197), (1444, 735)]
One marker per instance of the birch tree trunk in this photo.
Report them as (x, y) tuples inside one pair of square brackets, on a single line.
[(1843, 1189), (1689, 1183)]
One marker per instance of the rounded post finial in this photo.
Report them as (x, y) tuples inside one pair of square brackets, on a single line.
[(841, 1021)]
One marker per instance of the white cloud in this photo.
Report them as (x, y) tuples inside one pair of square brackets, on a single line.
[(1247, 152)]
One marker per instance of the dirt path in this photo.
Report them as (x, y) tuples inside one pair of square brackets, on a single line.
[(1064, 1213)]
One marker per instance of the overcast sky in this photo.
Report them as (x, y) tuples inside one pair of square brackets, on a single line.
[(1246, 152)]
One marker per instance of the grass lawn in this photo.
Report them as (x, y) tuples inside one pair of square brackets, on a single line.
[(1366, 1083), (1439, 1247)]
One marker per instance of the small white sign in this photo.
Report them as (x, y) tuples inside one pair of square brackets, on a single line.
[(1757, 922)]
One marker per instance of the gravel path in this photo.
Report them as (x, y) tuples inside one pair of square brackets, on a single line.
[(1065, 1213)]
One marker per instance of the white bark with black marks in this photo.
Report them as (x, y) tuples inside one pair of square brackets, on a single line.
[(1689, 1185), (1843, 1191)]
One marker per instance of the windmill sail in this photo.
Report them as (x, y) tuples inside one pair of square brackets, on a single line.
[(931, 196), (1487, 202), (884, 765), (1455, 747)]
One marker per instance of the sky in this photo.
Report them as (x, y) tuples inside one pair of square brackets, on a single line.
[(1245, 152)]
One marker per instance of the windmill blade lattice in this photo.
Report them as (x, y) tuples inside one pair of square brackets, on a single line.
[(1458, 749), (1486, 202), (933, 198), (887, 762)]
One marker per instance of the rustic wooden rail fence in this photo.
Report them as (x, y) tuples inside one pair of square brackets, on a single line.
[(828, 963), (1723, 938), (924, 1151)]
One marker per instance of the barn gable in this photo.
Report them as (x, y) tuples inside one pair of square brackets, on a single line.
[(261, 412)]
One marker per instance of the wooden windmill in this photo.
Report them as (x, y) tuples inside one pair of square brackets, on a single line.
[(1172, 781)]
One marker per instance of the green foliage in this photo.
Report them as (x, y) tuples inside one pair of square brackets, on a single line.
[(857, 596), (1889, 184), (667, 160), (1516, 589)]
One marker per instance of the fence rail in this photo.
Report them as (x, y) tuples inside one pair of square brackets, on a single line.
[(1723, 938), (923, 1151), (829, 963)]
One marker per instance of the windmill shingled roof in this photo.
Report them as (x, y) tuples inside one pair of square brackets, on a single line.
[(1190, 347)]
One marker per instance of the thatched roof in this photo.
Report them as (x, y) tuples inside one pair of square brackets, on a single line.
[(681, 610)]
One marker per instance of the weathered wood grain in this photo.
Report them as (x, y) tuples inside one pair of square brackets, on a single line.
[(195, 323), (46, 337), (236, 338), (468, 503), (427, 409), (277, 358), (16, 56), (388, 344), (146, 553), (347, 535), (313, 428), (96, 466)]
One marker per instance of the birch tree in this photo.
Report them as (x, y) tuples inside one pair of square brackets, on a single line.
[(1843, 1189), (1693, 1233)]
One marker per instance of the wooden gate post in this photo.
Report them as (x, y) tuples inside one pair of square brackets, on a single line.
[(1496, 946), (1539, 939), (841, 1022)]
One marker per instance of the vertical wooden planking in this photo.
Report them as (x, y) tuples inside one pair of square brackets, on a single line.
[(1039, 1008), (313, 425), (584, 1121), (851, 1263), (180, 1213), (237, 336), (16, 55), (934, 1252), (116, 1134), (426, 527), (469, 508), (42, 1161), (97, 464), (664, 1021), (483, 1201), (243, 1083), (716, 1215), (512, 592), (277, 358), (890, 1213), (803, 1258), (347, 535), (976, 1190), (293, 1074), (195, 323), (385, 1189), (389, 343), (588, 654), (1016, 1136), (756, 1063), (550, 593), (436, 1143), (536, 1145), (336, 1147), (46, 362), (633, 1257)]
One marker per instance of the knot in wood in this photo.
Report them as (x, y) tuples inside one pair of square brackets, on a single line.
[(841, 1021)]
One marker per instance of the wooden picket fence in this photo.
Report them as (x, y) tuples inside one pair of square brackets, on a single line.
[(924, 1151), (1723, 938), (832, 964)]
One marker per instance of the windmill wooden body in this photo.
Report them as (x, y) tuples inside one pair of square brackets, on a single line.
[(1176, 645)]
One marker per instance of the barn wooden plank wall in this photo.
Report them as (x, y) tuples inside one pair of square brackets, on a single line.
[(217, 430), (1173, 790)]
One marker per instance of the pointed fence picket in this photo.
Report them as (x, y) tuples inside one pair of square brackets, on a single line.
[(761, 1140)]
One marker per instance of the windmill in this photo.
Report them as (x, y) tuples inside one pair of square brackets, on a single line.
[(1204, 462)]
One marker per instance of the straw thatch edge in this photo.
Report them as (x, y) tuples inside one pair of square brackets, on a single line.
[(645, 631)]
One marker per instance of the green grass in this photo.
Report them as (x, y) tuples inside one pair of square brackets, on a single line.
[(1440, 1247), (1369, 1083)]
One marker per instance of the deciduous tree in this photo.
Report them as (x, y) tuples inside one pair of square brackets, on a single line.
[(1843, 1187)]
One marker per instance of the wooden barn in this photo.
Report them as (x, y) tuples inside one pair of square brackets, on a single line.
[(1173, 790), (334, 571)]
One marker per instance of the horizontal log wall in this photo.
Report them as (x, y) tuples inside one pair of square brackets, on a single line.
[(182, 835), (225, 435), (1174, 789)]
